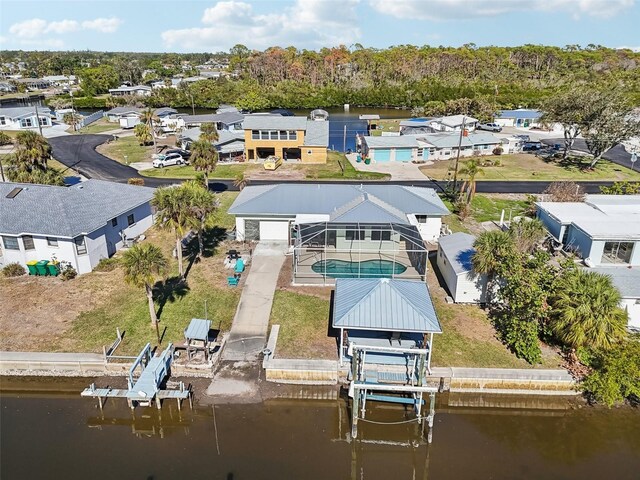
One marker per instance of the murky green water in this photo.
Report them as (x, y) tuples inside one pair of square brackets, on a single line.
[(61, 436)]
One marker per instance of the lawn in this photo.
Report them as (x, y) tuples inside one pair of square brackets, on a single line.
[(11, 133), (100, 126), (387, 125), (530, 167), (187, 171), (485, 208), (81, 315), (338, 168), (126, 150)]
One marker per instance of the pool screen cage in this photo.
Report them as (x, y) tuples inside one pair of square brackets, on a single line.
[(325, 251)]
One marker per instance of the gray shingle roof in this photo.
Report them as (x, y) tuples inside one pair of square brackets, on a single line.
[(123, 110), (317, 133), (458, 248), (384, 304), (274, 122), (17, 112), (66, 211), (228, 118), (398, 141), (332, 199), (626, 280)]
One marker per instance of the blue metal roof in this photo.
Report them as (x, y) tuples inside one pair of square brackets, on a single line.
[(385, 305), (198, 329), (522, 114)]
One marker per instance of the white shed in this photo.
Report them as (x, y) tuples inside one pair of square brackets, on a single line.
[(454, 262)]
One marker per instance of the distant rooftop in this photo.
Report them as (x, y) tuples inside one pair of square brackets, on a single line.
[(521, 113)]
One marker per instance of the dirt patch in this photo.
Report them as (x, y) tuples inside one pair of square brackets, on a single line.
[(284, 283), (282, 173)]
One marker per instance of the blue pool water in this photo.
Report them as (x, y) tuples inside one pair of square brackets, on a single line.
[(366, 269)]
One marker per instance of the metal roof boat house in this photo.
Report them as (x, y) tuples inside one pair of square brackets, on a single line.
[(343, 231)]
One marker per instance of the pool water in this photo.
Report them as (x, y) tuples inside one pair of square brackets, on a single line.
[(365, 269)]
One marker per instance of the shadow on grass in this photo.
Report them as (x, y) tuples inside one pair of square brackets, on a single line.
[(169, 290), (210, 241)]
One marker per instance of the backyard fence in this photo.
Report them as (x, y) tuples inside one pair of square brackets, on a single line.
[(89, 119)]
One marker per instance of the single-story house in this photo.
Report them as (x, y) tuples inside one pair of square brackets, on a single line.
[(18, 118), (429, 146), (383, 312), (416, 126), (603, 230), (6, 87), (512, 144), (455, 253), (223, 121), (60, 80), (80, 224), (230, 144), (521, 117), (339, 230), (287, 137), (33, 83), (115, 114), (453, 123), (139, 90), (627, 281)]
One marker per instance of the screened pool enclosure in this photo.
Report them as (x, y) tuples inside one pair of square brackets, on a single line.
[(326, 251)]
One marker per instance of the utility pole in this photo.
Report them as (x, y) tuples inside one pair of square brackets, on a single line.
[(455, 172), (344, 139)]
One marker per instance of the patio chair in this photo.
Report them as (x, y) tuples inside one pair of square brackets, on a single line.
[(232, 281), (239, 266)]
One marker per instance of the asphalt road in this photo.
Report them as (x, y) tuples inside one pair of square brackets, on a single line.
[(79, 153), (616, 155)]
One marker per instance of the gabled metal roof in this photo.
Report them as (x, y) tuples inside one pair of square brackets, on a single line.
[(384, 304)]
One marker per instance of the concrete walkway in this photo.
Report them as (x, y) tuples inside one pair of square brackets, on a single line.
[(249, 330)]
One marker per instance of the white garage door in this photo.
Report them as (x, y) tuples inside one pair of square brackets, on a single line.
[(273, 230)]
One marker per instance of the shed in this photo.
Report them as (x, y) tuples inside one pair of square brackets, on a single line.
[(383, 312), (455, 252)]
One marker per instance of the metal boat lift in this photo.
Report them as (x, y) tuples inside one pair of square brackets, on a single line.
[(146, 377), (372, 384)]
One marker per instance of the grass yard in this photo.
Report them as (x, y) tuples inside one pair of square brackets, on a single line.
[(81, 315), (100, 126), (387, 125), (11, 133), (338, 168), (126, 150), (187, 171), (524, 166)]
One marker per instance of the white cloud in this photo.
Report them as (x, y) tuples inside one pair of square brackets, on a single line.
[(63, 26), (103, 25), (306, 24), (29, 28), (464, 9)]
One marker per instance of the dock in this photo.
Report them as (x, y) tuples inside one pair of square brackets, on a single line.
[(147, 376)]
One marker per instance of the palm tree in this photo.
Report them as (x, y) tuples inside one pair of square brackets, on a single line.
[(143, 264), (142, 133), (209, 132), (527, 233), (149, 118), (32, 151), (204, 158), (472, 170), (172, 204), (586, 310), (202, 205), (491, 249), (241, 181)]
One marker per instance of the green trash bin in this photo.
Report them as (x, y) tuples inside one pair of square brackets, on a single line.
[(41, 267), (53, 269), (32, 267)]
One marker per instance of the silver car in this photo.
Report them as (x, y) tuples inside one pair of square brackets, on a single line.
[(168, 160)]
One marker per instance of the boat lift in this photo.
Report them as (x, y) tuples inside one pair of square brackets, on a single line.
[(146, 377), (390, 385)]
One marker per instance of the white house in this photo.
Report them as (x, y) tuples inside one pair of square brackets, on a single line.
[(627, 281), (80, 224), (453, 123), (426, 146), (223, 121), (116, 113), (455, 252), (521, 117), (230, 144), (139, 90), (20, 118)]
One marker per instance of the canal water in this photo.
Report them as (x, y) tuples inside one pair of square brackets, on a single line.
[(58, 435)]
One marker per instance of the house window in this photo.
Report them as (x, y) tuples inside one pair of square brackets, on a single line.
[(114, 222), (617, 252), (293, 135), (27, 241), (421, 218), (283, 135), (81, 246), (273, 135), (130, 220), (26, 122), (10, 243), (381, 235), (354, 235), (255, 134), (3, 121), (52, 242), (447, 152), (43, 121)]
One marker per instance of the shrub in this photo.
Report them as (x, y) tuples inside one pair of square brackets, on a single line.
[(5, 139), (67, 272), (497, 163), (498, 150), (136, 181), (107, 265), (13, 270)]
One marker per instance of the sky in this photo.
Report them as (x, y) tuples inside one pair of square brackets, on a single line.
[(212, 26)]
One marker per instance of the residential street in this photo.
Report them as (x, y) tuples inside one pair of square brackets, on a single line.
[(617, 154)]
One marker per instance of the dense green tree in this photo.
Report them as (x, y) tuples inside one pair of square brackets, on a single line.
[(99, 79)]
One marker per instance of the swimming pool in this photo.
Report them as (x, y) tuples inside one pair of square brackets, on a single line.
[(366, 269)]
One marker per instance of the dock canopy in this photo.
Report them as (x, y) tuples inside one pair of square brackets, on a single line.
[(384, 305), (198, 329)]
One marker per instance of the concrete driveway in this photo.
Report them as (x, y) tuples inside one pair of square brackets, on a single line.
[(248, 335)]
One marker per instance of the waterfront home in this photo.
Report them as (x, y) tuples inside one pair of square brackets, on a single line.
[(80, 224), (222, 121), (454, 123), (521, 117), (627, 281), (427, 146), (137, 90), (22, 118), (230, 143), (61, 80), (455, 253), (115, 114), (288, 137), (603, 230), (338, 230), (387, 313), (33, 83)]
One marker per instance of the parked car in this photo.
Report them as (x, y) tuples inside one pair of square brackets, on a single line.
[(531, 146), (168, 160), (491, 127), (185, 154)]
